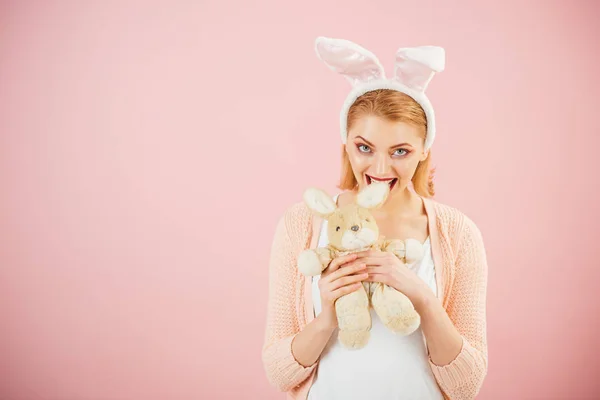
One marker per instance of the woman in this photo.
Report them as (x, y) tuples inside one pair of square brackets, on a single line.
[(387, 130)]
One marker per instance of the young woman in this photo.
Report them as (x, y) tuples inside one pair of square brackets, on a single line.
[(387, 132)]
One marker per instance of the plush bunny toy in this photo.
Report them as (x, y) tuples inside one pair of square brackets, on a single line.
[(352, 228)]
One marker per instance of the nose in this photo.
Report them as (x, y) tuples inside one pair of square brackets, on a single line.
[(382, 165), (354, 228)]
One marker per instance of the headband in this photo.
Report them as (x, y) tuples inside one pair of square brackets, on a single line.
[(413, 69)]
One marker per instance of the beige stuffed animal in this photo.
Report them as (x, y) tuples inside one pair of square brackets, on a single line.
[(352, 228)]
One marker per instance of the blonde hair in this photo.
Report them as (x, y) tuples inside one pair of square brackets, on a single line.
[(394, 106)]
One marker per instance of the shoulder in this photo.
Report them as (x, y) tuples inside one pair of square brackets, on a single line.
[(456, 224), (465, 243), (297, 212), (296, 220)]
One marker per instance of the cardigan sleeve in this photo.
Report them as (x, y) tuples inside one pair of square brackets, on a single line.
[(282, 369), (463, 377)]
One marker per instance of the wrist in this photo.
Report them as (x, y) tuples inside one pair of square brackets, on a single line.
[(326, 321), (423, 300)]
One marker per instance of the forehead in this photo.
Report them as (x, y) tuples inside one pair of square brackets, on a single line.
[(385, 133)]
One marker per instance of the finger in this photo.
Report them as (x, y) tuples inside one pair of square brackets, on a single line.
[(347, 280), (338, 261), (364, 253), (369, 261), (376, 270), (371, 253), (345, 290), (345, 271)]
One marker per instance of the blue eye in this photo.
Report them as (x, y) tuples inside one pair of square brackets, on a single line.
[(363, 148)]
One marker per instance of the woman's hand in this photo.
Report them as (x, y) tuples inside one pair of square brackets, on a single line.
[(385, 267), (338, 279)]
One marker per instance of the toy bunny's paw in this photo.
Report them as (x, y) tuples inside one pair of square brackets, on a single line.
[(405, 324), (395, 310), (413, 250), (309, 263), (354, 339), (394, 246)]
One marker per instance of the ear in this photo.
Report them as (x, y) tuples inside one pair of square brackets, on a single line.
[(373, 196), (416, 66), (319, 202), (352, 61)]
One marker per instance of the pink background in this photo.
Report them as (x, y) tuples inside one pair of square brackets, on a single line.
[(147, 150)]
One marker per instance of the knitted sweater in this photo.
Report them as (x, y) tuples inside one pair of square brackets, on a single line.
[(461, 273)]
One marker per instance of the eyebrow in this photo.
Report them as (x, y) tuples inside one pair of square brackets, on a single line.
[(372, 145)]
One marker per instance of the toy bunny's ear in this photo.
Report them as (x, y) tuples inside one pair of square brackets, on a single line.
[(415, 66), (319, 202), (353, 62), (373, 196)]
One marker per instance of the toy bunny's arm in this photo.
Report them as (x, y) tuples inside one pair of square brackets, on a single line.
[(325, 256), (312, 262), (383, 244), (409, 250)]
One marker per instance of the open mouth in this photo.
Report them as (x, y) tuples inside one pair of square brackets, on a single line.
[(391, 182)]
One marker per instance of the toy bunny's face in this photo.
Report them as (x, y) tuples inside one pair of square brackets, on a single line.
[(350, 227)]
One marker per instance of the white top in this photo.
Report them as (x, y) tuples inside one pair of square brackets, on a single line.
[(389, 367)]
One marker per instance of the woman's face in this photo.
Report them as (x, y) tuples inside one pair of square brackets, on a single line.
[(379, 148)]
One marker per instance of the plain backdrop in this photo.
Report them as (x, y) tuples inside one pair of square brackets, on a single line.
[(148, 148)]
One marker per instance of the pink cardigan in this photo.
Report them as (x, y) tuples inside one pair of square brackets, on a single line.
[(461, 275)]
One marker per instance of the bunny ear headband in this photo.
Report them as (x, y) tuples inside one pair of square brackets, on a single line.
[(413, 69)]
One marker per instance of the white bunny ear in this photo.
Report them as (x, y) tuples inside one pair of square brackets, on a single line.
[(415, 66), (319, 202), (374, 195), (355, 63)]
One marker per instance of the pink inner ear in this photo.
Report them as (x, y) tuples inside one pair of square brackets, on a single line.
[(415, 66), (355, 64), (413, 74)]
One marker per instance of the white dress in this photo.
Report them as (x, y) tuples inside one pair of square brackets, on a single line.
[(389, 367)]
